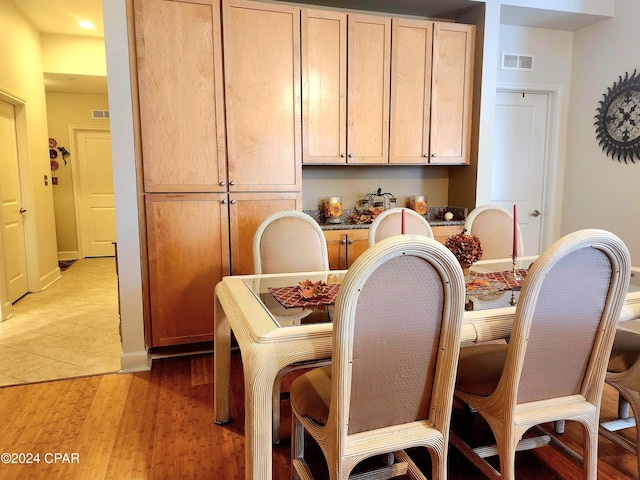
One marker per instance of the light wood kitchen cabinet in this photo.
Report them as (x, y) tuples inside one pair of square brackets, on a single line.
[(431, 88), (203, 202), (442, 232), (262, 94), (344, 246), (246, 212), (188, 254), (345, 82), (180, 95)]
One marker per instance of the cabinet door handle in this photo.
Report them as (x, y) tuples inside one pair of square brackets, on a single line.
[(223, 183), (434, 154), (232, 183), (350, 242), (343, 242), (224, 201), (350, 155), (343, 155), (233, 202), (425, 155)]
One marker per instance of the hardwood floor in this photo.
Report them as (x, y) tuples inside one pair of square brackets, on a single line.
[(159, 425)]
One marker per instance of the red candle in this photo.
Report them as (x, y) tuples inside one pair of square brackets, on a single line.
[(402, 227), (515, 232)]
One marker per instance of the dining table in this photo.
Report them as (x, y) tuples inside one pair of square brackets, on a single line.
[(275, 328)]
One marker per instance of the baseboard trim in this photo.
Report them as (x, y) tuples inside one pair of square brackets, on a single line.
[(49, 279), (135, 362)]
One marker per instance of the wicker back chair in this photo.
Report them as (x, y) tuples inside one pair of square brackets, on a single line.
[(623, 374), (397, 325), (493, 225), (289, 241), (554, 365), (389, 223)]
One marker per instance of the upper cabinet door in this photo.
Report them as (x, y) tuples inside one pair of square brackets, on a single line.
[(324, 86), (262, 86), (179, 63), (369, 47), (451, 90), (410, 91)]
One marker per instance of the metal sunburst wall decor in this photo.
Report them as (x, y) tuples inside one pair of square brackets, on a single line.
[(618, 119)]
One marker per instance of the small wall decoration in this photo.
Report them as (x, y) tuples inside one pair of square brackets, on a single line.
[(618, 119)]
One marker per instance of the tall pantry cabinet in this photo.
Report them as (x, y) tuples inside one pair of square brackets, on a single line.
[(219, 146)]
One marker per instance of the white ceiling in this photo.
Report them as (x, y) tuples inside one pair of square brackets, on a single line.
[(62, 16)]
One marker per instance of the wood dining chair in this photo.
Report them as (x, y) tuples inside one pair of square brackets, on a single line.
[(493, 225), (554, 366), (390, 221), (289, 241), (396, 335), (623, 374)]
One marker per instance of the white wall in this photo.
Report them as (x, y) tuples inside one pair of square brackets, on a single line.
[(598, 191), (22, 84), (552, 51), (134, 354)]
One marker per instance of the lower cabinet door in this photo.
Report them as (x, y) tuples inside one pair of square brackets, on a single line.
[(188, 254), (344, 246), (246, 212)]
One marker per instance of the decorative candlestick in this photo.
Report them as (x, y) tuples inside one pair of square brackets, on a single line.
[(516, 276)]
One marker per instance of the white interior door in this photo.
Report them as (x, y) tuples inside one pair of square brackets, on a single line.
[(12, 237), (519, 158), (96, 206)]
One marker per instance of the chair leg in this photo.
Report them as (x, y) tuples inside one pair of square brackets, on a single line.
[(275, 417), (590, 457), (297, 446), (507, 453), (558, 426), (623, 407)]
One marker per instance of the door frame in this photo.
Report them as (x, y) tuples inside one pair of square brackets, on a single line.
[(22, 143), (552, 163), (75, 176)]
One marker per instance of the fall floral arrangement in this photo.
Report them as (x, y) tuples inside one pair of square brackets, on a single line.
[(466, 248)]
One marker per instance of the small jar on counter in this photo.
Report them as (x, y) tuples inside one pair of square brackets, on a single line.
[(333, 210), (418, 203)]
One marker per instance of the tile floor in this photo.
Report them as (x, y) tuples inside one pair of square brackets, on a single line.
[(68, 330)]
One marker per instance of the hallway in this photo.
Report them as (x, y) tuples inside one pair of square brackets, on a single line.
[(68, 330)]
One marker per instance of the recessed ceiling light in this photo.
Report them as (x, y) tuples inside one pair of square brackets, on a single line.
[(85, 24)]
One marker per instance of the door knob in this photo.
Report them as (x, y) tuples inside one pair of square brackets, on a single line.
[(23, 210), (536, 213)]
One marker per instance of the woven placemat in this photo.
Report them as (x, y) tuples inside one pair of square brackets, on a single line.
[(505, 277), (289, 297)]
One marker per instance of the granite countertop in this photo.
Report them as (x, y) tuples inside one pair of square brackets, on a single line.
[(434, 215)]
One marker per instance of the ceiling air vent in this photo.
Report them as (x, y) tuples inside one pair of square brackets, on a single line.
[(100, 114), (516, 61)]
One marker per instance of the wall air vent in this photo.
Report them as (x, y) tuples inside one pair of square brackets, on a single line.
[(517, 61), (100, 114)]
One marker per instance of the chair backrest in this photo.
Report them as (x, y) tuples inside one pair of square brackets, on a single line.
[(493, 225), (289, 241), (566, 318), (389, 223), (397, 323)]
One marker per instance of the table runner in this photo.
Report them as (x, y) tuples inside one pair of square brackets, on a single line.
[(505, 277), (289, 297)]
